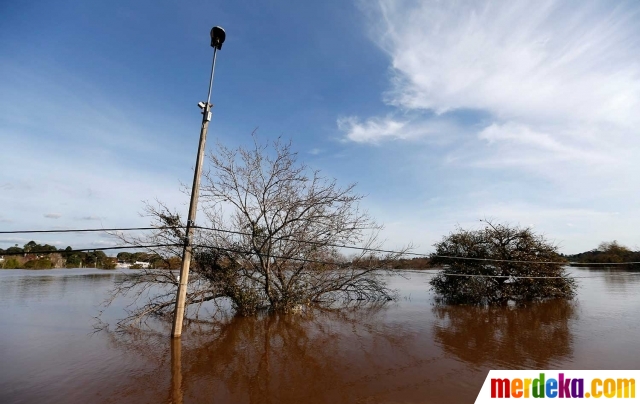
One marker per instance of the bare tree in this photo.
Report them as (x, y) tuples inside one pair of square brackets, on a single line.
[(271, 238)]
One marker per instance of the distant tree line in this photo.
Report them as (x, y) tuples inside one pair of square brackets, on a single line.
[(33, 255), (607, 252), (45, 256), (37, 256)]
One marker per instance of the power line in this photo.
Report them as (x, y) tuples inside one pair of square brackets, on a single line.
[(414, 254), (213, 229), (533, 277), (172, 245), (571, 263), (625, 275), (538, 262), (90, 249), (85, 230), (36, 252), (316, 242), (273, 256), (304, 260)]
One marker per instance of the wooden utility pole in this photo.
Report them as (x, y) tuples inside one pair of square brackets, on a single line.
[(217, 38), (176, 372)]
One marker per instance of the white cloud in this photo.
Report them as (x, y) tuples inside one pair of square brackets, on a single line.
[(52, 215), (559, 81), (542, 99), (572, 67), (518, 139), (542, 61), (372, 130), (521, 134), (375, 130)]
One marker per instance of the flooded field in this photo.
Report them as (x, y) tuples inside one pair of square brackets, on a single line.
[(409, 351)]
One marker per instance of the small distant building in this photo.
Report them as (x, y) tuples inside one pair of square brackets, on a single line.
[(125, 265)]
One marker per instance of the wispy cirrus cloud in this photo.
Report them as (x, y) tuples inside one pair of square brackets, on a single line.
[(534, 60), (379, 129), (567, 65), (544, 145), (554, 87)]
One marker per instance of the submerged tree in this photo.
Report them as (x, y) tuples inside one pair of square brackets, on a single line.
[(270, 239), (498, 264)]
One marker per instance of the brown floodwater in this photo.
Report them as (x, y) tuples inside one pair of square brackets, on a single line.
[(409, 351)]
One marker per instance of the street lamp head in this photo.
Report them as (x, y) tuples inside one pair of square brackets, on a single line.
[(217, 37)]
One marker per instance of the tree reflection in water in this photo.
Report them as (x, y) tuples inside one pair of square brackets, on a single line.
[(535, 336), (354, 356), (309, 357)]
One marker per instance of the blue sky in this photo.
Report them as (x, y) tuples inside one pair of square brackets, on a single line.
[(443, 112)]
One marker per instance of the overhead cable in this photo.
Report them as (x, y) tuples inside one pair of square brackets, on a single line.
[(378, 250)]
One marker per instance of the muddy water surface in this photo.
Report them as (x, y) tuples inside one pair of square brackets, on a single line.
[(410, 351)]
